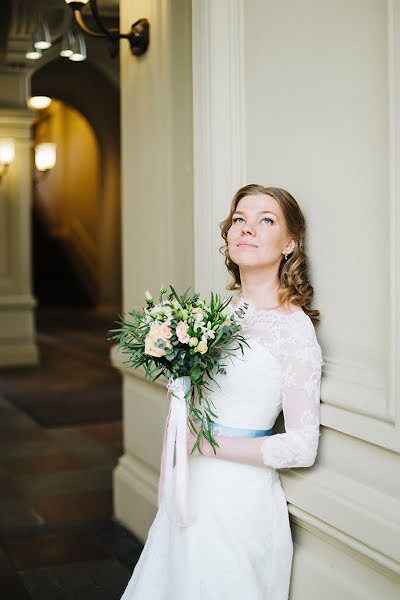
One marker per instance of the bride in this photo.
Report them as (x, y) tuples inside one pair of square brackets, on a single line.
[(240, 544)]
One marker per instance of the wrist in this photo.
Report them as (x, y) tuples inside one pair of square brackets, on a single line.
[(204, 447)]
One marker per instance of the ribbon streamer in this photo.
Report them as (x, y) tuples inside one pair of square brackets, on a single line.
[(174, 491)]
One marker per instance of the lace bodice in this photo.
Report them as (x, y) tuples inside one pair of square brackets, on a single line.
[(280, 371)]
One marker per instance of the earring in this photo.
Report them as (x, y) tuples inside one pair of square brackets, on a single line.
[(285, 256)]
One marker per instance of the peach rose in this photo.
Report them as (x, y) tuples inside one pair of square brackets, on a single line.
[(181, 332), (155, 335), (166, 330)]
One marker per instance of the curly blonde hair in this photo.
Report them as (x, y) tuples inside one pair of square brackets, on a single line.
[(295, 286)]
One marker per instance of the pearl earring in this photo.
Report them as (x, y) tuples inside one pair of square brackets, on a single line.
[(286, 256)]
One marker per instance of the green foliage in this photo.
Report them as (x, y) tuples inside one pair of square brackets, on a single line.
[(177, 358)]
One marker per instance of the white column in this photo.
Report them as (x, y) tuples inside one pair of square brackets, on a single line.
[(219, 130), (17, 342), (157, 224)]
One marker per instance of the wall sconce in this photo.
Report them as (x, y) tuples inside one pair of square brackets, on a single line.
[(138, 36), (45, 157), (7, 155), (39, 102)]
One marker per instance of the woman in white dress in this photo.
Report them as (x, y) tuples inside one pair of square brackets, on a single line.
[(240, 545)]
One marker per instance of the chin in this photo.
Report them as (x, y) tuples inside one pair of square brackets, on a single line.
[(244, 261)]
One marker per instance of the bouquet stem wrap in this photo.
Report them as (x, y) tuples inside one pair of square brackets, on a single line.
[(174, 490)]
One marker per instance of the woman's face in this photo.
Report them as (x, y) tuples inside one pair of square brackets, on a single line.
[(257, 236)]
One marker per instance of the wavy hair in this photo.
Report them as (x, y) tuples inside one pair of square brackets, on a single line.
[(294, 283)]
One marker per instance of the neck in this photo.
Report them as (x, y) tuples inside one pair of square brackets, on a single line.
[(262, 292)]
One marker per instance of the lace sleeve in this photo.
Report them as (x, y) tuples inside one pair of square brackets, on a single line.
[(301, 361)]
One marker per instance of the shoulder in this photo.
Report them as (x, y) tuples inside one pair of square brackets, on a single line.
[(292, 308), (298, 318), (297, 326), (298, 337)]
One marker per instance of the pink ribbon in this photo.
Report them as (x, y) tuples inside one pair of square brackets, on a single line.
[(175, 437)]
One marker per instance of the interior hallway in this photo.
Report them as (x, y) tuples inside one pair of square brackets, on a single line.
[(60, 438)]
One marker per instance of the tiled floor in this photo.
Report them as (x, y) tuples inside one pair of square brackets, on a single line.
[(58, 538)]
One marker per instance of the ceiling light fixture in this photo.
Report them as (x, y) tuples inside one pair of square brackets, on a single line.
[(78, 48), (33, 53), (67, 44), (138, 36), (42, 36)]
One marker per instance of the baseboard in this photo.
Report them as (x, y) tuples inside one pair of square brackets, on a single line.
[(19, 354), (135, 495)]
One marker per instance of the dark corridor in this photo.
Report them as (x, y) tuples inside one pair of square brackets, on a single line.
[(55, 282)]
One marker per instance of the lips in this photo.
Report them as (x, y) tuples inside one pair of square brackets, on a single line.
[(245, 244)]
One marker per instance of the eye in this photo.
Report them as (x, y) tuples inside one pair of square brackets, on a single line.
[(263, 219)]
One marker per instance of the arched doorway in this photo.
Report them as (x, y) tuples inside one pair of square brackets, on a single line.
[(87, 90), (65, 211)]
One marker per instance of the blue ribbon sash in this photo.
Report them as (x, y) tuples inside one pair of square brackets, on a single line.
[(220, 429)]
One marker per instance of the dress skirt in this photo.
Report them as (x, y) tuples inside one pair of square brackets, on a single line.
[(239, 545)]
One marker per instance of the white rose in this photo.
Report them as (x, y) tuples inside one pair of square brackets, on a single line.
[(202, 347)]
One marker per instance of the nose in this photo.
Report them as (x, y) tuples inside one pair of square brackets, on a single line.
[(246, 228)]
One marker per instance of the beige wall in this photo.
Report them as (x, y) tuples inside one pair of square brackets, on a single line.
[(304, 95), (317, 124), (157, 217)]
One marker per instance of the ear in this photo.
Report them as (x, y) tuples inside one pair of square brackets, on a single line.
[(289, 247)]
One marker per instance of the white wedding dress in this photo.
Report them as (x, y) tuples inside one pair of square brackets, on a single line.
[(240, 545)]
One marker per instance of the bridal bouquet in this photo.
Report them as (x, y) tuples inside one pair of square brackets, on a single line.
[(186, 338)]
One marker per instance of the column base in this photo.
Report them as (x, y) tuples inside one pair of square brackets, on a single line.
[(17, 331), (135, 495), (19, 355)]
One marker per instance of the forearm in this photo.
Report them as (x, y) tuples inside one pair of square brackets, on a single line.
[(295, 448), (245, 450)]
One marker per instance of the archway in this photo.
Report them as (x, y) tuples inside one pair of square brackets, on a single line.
[(65, 210), (85, 88)]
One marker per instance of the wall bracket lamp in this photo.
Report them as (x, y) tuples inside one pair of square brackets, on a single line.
[(138, 36), (7, 154), (45, 157)]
